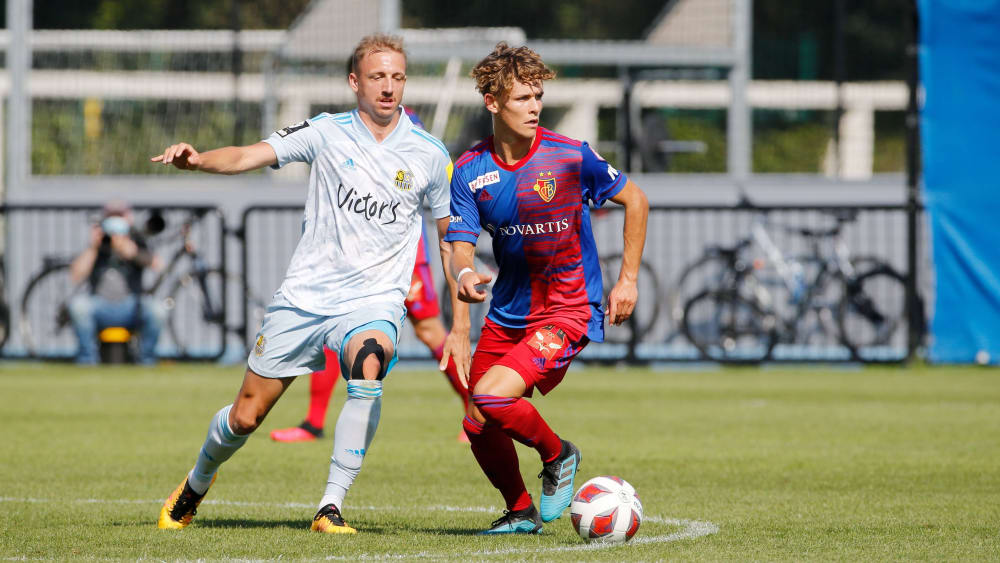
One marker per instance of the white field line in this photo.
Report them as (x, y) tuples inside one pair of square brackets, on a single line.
[(691, 529)]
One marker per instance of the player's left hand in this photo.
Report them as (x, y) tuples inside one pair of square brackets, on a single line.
[(457, 347), (621, 301)]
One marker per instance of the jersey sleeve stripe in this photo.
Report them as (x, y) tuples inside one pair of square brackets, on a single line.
[(553, 136), (471, 154), (432, 140)]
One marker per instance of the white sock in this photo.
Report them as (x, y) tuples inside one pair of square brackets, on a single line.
[(355, 429), (220, 444)]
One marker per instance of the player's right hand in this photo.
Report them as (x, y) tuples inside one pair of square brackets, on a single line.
[(467, 287), (181, 155), (457, 348)]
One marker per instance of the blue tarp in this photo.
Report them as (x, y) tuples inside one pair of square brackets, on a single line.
[(960, 72)]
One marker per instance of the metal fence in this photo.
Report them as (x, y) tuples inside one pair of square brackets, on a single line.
[(678, 238), (215, 308)]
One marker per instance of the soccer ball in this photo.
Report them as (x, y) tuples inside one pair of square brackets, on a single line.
[(606, 509)]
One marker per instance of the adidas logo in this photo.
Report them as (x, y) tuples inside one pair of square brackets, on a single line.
[(349, 164), (360, 452), (485, 196)]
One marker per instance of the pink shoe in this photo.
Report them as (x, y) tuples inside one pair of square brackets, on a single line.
[(463, 438), (294, 434)]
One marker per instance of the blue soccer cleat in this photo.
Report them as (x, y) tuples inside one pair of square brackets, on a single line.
[(524, 521), (557, 481)]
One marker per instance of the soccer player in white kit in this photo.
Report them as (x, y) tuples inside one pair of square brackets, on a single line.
[(350, 273)]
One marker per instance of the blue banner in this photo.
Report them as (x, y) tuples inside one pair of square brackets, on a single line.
[(960, 72)]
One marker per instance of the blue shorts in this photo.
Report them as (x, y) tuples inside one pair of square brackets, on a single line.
[(290, 342)]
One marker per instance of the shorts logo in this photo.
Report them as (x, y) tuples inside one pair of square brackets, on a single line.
[(491, 177), (258, 348), (548, 340), (545, 186), (292, 128), (404, 180)]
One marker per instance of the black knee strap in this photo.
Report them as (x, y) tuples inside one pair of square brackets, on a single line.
[(370, 347)]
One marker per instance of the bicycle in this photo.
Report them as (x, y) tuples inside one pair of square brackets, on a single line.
[(647, 310), (824, 296), (195, 291)]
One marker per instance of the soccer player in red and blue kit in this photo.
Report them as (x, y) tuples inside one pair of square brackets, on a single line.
[(531, 188)]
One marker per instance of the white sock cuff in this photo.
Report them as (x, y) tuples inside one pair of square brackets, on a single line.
[(364, 389), (222, 423)]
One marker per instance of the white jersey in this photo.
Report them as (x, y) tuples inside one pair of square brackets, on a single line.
[(362, 216)]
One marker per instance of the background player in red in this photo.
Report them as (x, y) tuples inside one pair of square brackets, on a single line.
[(530, 188), (424, 313)]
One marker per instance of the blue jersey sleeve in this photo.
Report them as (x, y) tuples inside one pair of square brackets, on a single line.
[(464, 223), (600, 180)]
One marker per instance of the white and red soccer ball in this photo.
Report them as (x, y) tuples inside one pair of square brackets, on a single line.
[(607, 509)]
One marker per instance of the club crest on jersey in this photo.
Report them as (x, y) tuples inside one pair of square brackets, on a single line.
[(404, 180), (545, 186), (548, 340), (258, 348)]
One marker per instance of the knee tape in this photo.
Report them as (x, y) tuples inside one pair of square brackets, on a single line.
[(369, 348)]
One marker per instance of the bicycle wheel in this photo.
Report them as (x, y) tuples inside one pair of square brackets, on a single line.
[(647, 309), (729, 328), (873, 312), (45, 327), (194, 309), (707, 272)]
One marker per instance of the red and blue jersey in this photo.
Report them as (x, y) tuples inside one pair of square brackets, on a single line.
[(538, 213)]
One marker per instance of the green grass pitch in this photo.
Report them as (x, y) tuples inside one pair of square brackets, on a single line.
[(772, 464)]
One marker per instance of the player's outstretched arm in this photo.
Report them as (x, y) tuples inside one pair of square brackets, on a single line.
[(225, 160), (625, 293)]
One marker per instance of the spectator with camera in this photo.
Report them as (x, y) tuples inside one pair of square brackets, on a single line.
[(112, 267)]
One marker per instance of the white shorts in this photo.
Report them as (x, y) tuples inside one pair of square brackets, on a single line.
[(290, 342)]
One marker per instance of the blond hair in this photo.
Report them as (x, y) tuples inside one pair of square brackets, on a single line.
[(496, 73), (376, 43)]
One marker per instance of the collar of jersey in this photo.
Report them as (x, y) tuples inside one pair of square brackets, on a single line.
[(401, 126), (531, 152)]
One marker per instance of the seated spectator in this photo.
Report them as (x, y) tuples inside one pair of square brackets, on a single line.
[(112, 266)]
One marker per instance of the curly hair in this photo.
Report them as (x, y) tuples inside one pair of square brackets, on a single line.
[(496, 73), (375, 43)]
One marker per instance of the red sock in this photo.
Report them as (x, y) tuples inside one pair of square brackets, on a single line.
[(497, 457), (321, 384), (451, 372), (519, 420)]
